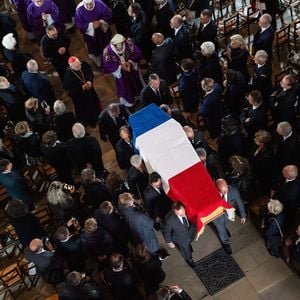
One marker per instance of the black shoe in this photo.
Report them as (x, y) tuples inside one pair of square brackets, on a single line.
[(191, 264), (162, 254), (227, 249)]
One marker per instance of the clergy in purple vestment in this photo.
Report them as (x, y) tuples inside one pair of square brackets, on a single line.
[(121, 58), (40, 14), (21, 6), (92, 17)]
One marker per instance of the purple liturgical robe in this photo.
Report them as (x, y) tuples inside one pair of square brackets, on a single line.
[(129, 84), (95, 39), (21, 6), (34, 15)]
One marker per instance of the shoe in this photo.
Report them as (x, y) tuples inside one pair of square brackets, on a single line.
[(227, 249), (191, 264), (162, 254)]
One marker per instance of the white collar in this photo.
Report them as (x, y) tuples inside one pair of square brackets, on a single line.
[(161, 44), (287, 136), (264, 28), (162, 5), (177, 29)]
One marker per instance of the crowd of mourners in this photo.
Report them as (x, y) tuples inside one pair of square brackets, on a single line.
[(101, 217)]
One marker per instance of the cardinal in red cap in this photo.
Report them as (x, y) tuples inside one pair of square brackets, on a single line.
[(78, 81)]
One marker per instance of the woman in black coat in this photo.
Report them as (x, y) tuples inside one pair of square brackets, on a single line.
[(237, 56), (149, 269), (263, 161), (27, 226)]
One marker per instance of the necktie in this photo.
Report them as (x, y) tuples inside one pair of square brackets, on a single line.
[(185, 222)]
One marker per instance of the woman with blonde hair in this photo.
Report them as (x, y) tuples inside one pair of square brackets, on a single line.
[(237, 55)]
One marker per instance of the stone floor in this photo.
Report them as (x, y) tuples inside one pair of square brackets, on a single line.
[(265, 277)]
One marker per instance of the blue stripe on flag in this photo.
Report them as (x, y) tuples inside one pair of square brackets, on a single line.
[(146, 119)]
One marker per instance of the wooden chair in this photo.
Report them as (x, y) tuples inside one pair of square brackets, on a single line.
[(293, 35), (247, 17), (29, 271), (175, 94), (11, 277), (4, 197), (11, 241), (282, 39), (228, 27), (46, 219), (280, 75), (220, 6)]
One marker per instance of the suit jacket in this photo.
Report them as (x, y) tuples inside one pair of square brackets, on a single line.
[(124, 151), (199, 141), (208, 34), (148, 96), (263, 41), (137, 181), (141, 227), (139, 30), (210, 68), (107, 126), (211, 110), (288, 151), (234, 199), (163, 17), (289, 195), (162, 61), (285, 110), (63, 125), (157, 204), (262, 80), (182, 45), (258, 119), (85, 150), (174, 231)]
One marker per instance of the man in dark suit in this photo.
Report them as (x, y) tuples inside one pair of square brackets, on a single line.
[(284, 100), (210, 108), (137, 176), (124, 148), (255, 117), (197, 5), (210, 163), (289, 192), (288, 147), (162, 61), (174, 113), (111, 120), (48, 263), (139, 29), (164, 14), (231, 195), (208, 30), (84, 151), (157, 203), (156, 91), (140, 225), (179, 231), (264, 37), (69, 246), (181, 39), (196, 138)]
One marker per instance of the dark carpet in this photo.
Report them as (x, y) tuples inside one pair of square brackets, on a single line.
[(217, 271)]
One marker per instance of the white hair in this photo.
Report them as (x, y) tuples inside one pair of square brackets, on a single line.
[(207, 48), (78, 130), (275, 207), (262, 56), (59, 107), (136, 160), (285, 127), (32, 66), (9, 42)]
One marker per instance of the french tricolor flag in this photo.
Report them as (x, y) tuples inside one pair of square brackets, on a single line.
[(166, 149)]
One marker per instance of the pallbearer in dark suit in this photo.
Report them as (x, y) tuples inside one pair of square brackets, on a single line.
[(156, 91), (124, 148), (179, 231), (110, 121), (164, 14)]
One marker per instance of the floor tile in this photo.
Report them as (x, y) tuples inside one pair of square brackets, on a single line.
[(245, 260)]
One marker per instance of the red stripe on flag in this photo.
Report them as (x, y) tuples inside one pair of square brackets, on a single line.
[(196, 190)]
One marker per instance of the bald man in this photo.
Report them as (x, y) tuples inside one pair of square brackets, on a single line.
[(289, 192), (48, 263), (162, 61), (181, 39), (231, 195), (78, 81)]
